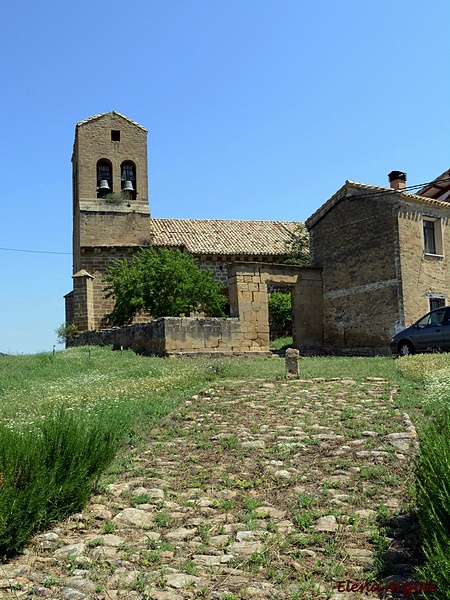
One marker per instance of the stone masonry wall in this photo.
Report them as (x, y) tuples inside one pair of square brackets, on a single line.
[(114, 228), (248, 295), (171, 336), (246, 332), (356, 246), (423, 275)]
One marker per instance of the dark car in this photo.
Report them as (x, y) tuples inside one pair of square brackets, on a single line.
[(431, 332)]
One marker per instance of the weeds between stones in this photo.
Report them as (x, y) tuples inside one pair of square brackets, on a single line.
[(225, 484)]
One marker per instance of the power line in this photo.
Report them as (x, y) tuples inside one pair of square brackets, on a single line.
[(33, 251), (367, 195), (409, 188)]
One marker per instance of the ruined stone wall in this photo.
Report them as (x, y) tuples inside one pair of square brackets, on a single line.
[(423, 275), (171, 336), (247, 332), (248, 294), (356, 245)]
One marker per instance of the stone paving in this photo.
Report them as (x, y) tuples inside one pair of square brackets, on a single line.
[(249, 490)]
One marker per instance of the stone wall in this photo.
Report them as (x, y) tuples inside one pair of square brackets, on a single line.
[(423, 275), (171, 336), (377, 276), (356, 245), (249, 295), (246, 332)]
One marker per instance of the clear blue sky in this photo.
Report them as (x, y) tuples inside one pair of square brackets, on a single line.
[(256, 109)]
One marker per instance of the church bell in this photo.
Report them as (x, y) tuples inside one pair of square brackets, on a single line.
[(104, 185), (128, 186)]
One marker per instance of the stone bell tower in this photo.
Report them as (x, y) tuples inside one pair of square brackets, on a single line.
[(111, 212)]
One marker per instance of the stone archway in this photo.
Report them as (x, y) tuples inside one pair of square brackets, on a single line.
[(248, 294)]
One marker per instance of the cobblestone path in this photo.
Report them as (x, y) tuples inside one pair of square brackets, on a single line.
[(249, 490)]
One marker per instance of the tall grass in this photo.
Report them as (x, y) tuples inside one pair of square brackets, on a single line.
[(433, 479)]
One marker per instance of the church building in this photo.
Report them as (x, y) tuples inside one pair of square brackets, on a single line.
[(112, 221)]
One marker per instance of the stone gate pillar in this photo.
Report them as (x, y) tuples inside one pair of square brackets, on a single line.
[(249, 301), (83, 301), (307, 310)]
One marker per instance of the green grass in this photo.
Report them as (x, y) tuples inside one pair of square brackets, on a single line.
[(63, 417), (281, 343)]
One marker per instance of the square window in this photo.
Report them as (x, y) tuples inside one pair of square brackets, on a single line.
[(429, 237), (432, 236), (115, 135), (436, 303)]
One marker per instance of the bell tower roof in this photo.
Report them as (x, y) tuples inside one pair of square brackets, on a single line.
[(111, 113)]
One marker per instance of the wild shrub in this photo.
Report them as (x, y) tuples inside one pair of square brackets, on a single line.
[(163, 282), (419, 366), (48, 470)]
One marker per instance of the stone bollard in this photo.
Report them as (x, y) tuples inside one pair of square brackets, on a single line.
[(292, 356)]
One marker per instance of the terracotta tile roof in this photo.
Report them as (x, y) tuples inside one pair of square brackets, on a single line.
[(220, 236)]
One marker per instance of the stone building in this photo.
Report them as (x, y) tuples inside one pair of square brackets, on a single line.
[(384, 255), (111, 219), (380, 255)]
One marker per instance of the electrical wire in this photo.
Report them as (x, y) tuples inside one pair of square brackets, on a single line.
[(33, 251), (381, 192), (407, 189)]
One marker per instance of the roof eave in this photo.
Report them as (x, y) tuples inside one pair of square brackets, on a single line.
[(112, 112), (343, 193)]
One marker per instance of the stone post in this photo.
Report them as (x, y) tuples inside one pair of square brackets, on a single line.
[(292, 356)]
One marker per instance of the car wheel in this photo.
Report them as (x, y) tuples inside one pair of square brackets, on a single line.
[(405, 348)]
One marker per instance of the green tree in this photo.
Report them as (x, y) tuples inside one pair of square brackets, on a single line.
[(280, 312), (66, 333), (297, 250), (162, 282)]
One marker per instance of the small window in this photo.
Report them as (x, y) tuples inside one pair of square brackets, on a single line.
[(115, 135), (436, 303), (432, 236)]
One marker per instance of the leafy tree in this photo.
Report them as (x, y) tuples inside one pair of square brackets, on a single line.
[(66, 333), (280, 311), (162, 282), (297, 247)]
